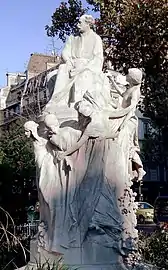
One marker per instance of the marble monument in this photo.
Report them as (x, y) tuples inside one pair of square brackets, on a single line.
[(87, 158)]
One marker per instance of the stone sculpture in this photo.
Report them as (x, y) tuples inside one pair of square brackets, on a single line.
[(82, 65), (85, 171)]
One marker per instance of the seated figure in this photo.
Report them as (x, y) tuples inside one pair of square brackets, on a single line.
[(81, 67)]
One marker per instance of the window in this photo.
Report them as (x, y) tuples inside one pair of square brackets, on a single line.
[(141, 205), (27, 101), (5, 114), (45, 94), (17, 109), (147, 206)]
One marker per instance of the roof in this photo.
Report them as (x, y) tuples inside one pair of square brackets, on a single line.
[(37, 62)]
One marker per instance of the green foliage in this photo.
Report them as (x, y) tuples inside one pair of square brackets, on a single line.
[(65, 18), (1, 156), (13, 248), (142, 42), (154, 248), (17, 150), (17, 169), (56, 265)]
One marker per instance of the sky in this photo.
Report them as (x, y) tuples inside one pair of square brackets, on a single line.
[(22, 32)]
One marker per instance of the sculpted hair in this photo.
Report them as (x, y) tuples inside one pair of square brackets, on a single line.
[(88, 19), (32, 126), (51, 119), (136, 75)]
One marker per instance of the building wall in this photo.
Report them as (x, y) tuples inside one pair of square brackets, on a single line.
[(37, 93), (12, 110), (10, 97), (4, 92), (31, 85)]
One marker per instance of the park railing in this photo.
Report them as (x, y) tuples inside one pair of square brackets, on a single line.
[(27, 229)]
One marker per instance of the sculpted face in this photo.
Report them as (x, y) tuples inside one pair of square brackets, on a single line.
[(30, 128), (53, 129), (27, 133), (82, 25)]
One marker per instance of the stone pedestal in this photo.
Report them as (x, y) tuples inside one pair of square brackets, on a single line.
[(90, 256)]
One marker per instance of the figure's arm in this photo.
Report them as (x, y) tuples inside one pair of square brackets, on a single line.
[(133, 92), (116, 86), (82, 140), (66, 53), (119, 113), (55, 141), (62, 154), (135, 96), (112, 135), (109, 136)]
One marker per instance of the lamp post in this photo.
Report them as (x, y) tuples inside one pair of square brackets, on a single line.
[(140, 191)]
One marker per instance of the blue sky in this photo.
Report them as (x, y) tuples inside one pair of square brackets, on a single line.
[(22, 32)]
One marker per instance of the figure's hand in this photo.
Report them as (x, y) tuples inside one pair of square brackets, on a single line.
[(49, 134), (125, 94), (110, 76), (60, 155), (122, 126), (100, 138), (141, 174), (69, 64), (111, 136), (74, 72), (55, 160), (115, 134)]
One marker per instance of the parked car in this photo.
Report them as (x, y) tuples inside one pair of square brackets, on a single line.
[(145, 213), (161, 210)]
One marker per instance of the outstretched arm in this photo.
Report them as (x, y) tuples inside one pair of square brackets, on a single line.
[(113, 135), (119, 113), (61, 155), (82, 140), (116, 86), (134, 101)]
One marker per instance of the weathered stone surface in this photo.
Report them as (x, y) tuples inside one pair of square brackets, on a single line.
[(84, 165)]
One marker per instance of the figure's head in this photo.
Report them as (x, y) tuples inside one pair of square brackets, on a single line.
[(85, 23), (51, 123), (89, 104), (30, 128), (84, 108), (134, 76)]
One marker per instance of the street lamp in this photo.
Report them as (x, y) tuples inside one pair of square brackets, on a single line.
[(140, 191)]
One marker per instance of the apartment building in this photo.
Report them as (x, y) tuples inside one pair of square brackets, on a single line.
[(31, 85)]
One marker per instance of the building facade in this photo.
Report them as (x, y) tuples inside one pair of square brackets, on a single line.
[(26, 93)]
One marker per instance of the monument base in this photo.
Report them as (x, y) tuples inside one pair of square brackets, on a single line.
[(91, 256)]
